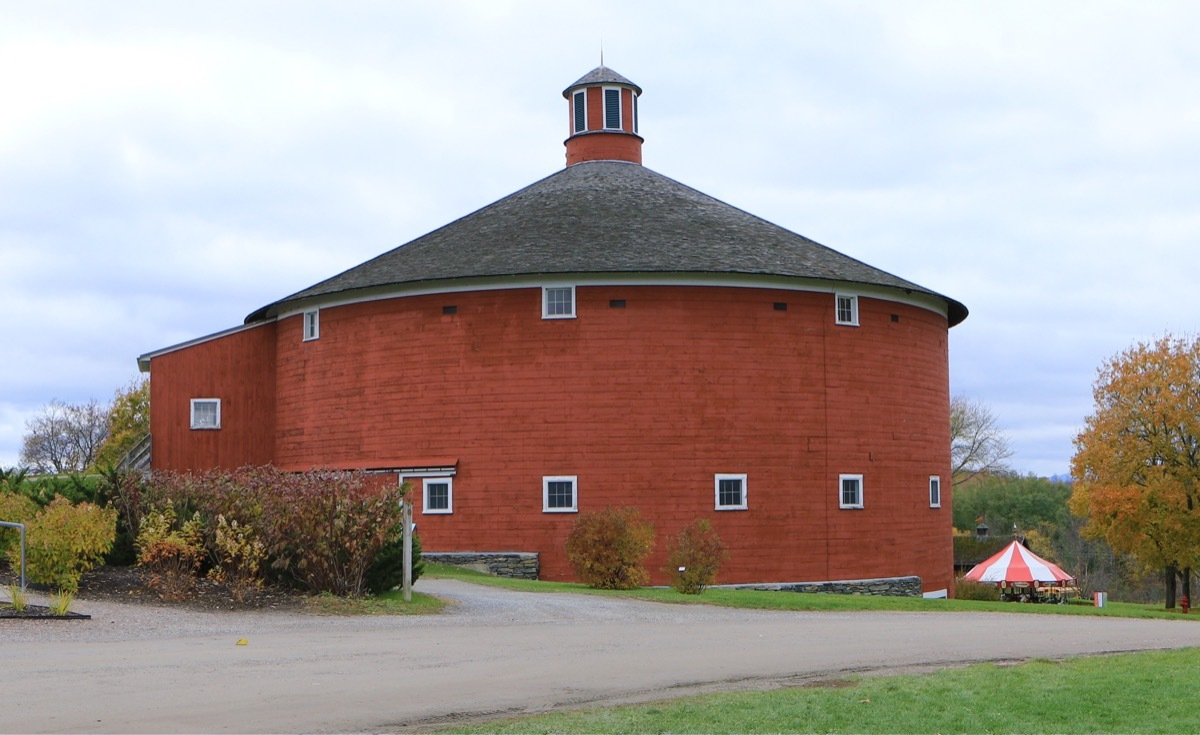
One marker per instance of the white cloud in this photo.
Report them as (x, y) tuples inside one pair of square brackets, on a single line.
[(167, 169)]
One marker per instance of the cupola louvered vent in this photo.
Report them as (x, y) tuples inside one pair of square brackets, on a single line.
[(580, 102), (612, 109)]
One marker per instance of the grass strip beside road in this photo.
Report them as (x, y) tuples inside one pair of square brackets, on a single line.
[(806, 601), (1127, 693), (387, 603)]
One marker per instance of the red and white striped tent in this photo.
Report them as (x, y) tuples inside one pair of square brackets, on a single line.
[(1016, 564)]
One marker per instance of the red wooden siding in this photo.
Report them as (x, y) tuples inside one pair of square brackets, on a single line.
[(239, 369), (644, 404)]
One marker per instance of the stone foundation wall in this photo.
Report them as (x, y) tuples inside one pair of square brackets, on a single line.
[(887, 586), (513, 564)]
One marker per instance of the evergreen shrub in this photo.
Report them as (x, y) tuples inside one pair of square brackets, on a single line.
[(387, 570)]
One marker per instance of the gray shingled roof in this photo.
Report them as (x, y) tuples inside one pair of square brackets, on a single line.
[(605, 217), (600, 75)]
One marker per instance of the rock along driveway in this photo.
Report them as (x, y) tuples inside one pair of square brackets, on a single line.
[(148, 669)]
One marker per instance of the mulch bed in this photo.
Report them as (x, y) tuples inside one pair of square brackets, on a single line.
[(37, 612), (129, 585)]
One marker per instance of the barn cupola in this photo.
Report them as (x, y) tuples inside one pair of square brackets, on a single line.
[(603, 117)]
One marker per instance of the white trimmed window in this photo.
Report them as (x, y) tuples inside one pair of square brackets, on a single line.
[(558, 302), (579, 111), (633, 101), (730, 492), (438, 495), (850, 491), (612, 108), (312, 324), (559, 494), (847, 309), (935, 491), (206, 413)]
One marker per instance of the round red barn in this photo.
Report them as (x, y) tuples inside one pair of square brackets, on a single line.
[(604, 336)]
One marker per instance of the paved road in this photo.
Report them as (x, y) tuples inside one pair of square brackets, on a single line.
[(138, 669)]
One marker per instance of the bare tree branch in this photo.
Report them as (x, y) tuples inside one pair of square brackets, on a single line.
[(64, 437), (978, 444)]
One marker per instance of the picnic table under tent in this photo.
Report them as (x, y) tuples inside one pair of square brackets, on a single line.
[(1022, 574)]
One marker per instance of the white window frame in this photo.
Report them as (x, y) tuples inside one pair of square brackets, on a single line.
[(633, 101), (574, 480), (205, 401), (842, 479), (837, 309), (717, 492), (546, 302), (581, 94), (443, 480), (604, 100), (312, 325), (935, 491)]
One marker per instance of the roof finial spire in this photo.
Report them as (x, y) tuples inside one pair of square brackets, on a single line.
[(601, 53)]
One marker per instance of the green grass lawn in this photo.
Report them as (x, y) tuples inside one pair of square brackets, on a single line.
[(1128, 693), (387, 603), (810, 601)]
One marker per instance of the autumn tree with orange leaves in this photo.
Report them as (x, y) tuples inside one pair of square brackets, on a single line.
[(1137, 461)]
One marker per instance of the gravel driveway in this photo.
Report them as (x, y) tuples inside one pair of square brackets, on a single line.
[(135, 668)]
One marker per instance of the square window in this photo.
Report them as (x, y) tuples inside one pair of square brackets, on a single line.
[(731, 492), (438, 495), (312, 325), (558, 495), (847, 310), (851, 495), (935, 492), (206, 413), (558, 302)]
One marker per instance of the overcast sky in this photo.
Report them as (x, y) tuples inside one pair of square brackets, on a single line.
[(167, 168)]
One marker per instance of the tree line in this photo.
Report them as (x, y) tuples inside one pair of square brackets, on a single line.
[(62, 438)]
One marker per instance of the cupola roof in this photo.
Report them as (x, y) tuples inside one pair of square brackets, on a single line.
[(600, 75)]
